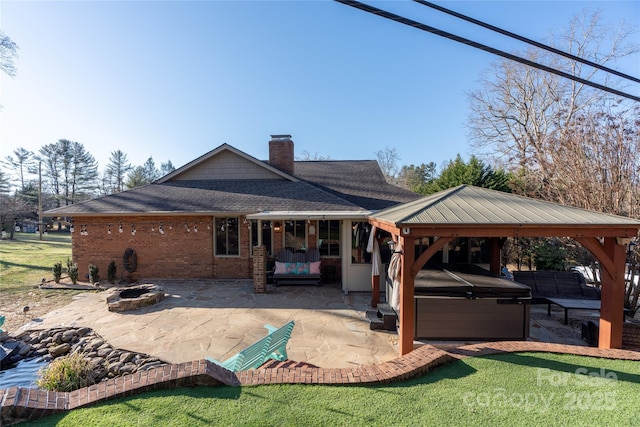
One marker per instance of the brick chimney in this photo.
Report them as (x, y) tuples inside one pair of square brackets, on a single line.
[(281, 153)]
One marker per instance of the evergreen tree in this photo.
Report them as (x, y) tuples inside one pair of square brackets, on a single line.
[(415, 177), (116, 172), (72, 172), (22, 162), (8, 54), (475, 172)]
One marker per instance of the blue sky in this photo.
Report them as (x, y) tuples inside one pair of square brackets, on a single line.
[(174, 80)]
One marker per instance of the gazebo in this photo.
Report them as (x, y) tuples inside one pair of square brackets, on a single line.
[(468, 211)]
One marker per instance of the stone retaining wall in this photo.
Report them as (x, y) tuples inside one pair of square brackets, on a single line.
[(20, 404)]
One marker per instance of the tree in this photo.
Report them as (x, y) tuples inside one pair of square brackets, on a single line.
[(8, 54), (4, 184), (22, 164), (306, 156), (166, 168), (475, 172), (388, 159), (523, 116), (72, 172), (116, 172), (601, 170), (415, 178), (145, 174)]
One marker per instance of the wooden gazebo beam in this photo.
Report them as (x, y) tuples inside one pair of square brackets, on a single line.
[(611, 255), (469, 211), (422, 230)]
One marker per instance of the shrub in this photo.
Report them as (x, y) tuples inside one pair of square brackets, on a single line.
[(66, 373), (73, 273), (93, 273), (57, 271), (111, 272)]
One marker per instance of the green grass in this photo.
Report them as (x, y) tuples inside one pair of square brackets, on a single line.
[(507, 389), (25, 261)]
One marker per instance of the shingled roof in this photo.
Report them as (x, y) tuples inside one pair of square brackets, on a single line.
[(359, 181), (227, 180), (206, 197)]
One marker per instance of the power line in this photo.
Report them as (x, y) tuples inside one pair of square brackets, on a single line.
[(526, 40), (429, 29)]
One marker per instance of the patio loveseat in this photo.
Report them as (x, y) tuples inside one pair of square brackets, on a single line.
[(299, 268)]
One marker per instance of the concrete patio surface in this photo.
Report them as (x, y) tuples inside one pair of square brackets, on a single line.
[(218, 318)]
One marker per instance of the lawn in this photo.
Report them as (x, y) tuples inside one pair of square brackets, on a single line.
[(507, 389), (24, 262)]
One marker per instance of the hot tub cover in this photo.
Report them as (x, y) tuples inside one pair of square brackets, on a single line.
[(467, 281)]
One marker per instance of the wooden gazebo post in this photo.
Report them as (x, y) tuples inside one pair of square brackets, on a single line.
[(611, 256), (407, 303), (498, 216), (612, 297)]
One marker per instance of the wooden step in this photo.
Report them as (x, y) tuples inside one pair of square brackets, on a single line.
[(388, 315), (375, 322)]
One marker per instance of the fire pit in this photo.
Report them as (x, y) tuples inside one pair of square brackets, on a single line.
[(125, 299)]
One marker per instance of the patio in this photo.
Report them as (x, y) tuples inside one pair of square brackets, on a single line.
[(218, 318)]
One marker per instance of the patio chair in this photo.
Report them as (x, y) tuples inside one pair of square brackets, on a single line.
[(280, 337)]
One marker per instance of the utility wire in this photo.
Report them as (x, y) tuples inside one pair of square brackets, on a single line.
[(429, 29), (526, 40)]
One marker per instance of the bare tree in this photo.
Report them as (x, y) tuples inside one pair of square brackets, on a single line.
[(388, 159), (520, 113), (306, 156), (596, 162)]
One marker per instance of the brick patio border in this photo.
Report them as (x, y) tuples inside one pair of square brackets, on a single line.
[(21, 404)]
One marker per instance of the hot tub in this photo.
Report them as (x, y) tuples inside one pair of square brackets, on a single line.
[(466, 302)]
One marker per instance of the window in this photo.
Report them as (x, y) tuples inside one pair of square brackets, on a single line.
[(266, 235), (329, 238), (227, 236), (295, 235)]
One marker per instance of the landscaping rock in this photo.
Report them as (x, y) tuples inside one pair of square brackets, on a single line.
[(107, 362), (60, 350), (24, 349), (95, 343), (69, 336), (126, 357), (104, 351), (128, 368)]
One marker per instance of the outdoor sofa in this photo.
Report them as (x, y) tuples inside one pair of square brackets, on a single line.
[(297, 268)]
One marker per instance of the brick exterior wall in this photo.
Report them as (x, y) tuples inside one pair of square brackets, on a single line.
[(177, 253)]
